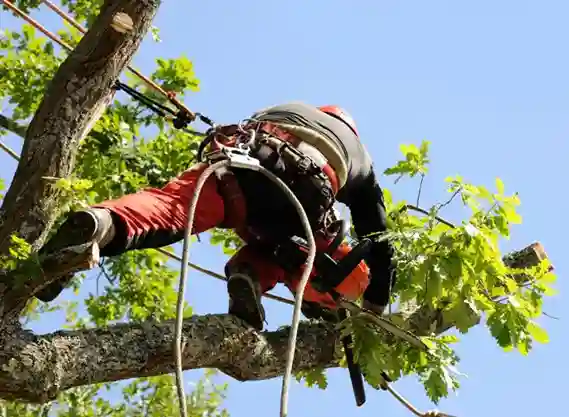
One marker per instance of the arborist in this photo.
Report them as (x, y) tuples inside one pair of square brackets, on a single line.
[(317, 152)]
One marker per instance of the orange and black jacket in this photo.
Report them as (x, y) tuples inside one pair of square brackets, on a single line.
[(361, 192)]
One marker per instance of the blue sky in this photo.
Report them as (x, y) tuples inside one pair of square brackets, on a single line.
[(484, 81)]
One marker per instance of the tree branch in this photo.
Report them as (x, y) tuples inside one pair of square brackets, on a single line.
[(36, 368), (74, 100)]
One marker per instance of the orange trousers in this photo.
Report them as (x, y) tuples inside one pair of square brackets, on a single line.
[(157, 217)]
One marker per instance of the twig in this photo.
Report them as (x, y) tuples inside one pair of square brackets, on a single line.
[(426, 213), (452, 197), (420, 189), (12, 126), (110, 279), (8, 150), (550, 316)]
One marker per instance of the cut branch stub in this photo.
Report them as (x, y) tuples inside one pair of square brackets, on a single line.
[(42, 271)]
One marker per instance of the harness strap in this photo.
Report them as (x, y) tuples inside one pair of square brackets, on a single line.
[(334, 171), (233, 199)]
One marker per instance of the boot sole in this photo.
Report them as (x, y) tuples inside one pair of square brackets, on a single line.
[(245, 303), (78, 231)]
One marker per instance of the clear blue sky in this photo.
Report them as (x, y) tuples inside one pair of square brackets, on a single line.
[(485, 82)]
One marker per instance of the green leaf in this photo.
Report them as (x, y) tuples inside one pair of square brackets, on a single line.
[(312, 378), (500, 186), (458, 271), (537, 333)]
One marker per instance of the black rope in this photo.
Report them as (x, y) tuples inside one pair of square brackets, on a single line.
[(181, 118), (152, 104)]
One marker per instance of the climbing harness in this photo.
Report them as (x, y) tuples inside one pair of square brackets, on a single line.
[(332, 272), (221, 158)]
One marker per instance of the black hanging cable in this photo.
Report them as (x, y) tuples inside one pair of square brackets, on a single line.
[(180, 117), (151, 103)]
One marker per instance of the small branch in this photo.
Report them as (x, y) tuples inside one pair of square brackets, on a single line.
[(8, 150), (31, 277), (452, 197), (12, 126), (421, 318), (550, 316)]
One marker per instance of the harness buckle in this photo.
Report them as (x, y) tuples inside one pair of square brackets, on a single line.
[(239, 157)]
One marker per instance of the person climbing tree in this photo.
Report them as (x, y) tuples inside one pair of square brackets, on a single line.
[(317, 152)]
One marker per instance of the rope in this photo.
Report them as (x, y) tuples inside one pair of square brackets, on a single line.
[(183, 115), (35, 24), (290, 357), (299, 292), (173, 256), (300, 288), (182, 285), (219, 276), (292, 341)]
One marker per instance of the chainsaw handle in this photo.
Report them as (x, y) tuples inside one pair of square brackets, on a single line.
[(349, 262), (333, 272)]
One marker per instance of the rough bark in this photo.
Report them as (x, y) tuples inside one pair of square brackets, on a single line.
[(73, 101), (35, 368)]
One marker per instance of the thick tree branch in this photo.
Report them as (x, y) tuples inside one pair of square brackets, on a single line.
[(73, 101), (36, 368)]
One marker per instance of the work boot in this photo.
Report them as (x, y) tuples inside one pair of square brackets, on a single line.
[(245, 300), (91, 225)]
